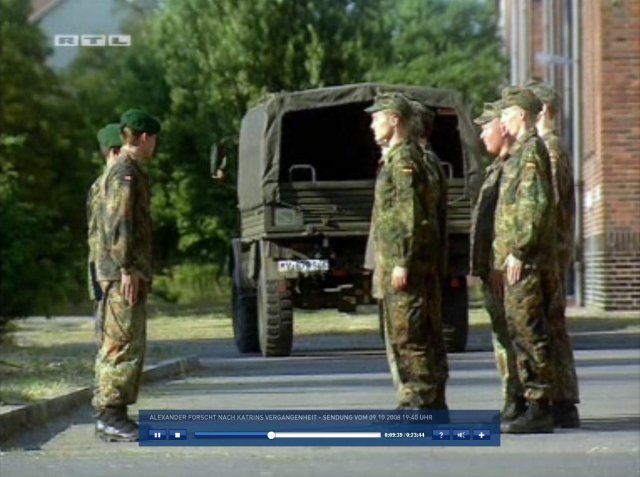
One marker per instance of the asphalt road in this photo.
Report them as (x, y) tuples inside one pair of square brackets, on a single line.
[(351, 373)]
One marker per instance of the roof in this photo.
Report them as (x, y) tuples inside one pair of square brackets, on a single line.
[(40, 8)]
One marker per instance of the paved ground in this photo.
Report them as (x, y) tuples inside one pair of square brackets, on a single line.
[(323, 375)]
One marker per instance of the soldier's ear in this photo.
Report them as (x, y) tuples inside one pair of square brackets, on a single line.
[(503, 129)]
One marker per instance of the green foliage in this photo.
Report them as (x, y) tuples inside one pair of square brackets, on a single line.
[(198, 65), (193, 285), (447, 44), (41, 168)]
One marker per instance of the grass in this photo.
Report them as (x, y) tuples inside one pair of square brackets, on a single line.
[(41, 358)]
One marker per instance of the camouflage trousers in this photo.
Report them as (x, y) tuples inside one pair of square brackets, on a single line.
[(503, 348), (414, 341), (120, 358), (526, 315), (565, 380)]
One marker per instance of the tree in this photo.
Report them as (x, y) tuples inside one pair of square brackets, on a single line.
[(43, 175), (216, 57), (445, 43)]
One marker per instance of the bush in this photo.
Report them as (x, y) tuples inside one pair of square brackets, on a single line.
[(193, 285)]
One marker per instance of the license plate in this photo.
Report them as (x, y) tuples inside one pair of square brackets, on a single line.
[(303, 266)]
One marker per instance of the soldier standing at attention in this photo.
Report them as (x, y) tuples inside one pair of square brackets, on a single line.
[(110, 143), (123, 265), (523, 246), (482, 222), (566, 395), (407, 246)]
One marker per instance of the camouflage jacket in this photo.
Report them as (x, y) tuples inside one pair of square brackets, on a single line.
[(124, 221), (525, 221), (437, 193), (564, 193), (93, 202), (482, 220), (406, 227)]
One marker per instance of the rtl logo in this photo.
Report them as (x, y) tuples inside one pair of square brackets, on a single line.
[(92, 40)]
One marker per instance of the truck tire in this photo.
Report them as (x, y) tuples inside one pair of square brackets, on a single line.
[(455, 315), (244, 317), (275, 317)]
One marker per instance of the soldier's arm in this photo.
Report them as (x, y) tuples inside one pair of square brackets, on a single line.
[(553, 148), (404, 215), (534, 198), (119, 209)]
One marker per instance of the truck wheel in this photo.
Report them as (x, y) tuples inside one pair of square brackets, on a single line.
[(245, 320), (455, 314), (275, 318)]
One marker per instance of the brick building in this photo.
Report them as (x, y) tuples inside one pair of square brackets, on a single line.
[(590, 51)]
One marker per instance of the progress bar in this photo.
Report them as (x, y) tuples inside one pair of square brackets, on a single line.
[(286, 435)]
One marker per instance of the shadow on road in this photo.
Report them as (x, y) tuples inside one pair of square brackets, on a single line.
[(35, 439), (625, 423)]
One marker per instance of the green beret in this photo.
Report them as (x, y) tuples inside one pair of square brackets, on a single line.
[(140, 121), (109, 136), (544, 92), (395, 102), (490, 111), (522, 97)]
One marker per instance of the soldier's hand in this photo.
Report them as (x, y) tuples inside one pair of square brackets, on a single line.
[(514, 270), (129, 286), (399, 278), (496, 283)]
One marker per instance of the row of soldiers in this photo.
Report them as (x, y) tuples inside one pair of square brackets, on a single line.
[(521, 245), (120, 274), (521, 248)]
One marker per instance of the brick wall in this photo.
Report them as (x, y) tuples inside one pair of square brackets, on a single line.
[(611, 146), (610, 121)]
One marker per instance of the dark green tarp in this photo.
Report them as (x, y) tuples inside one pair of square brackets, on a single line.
[(260, 136)]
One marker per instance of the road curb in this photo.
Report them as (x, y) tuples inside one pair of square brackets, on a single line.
[(37, 414)]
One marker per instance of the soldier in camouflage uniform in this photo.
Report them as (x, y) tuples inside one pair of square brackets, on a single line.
[(123, 265), (523, 246), (482, 223), (421, 128), (110, 143), (566, 394), (406, 236)]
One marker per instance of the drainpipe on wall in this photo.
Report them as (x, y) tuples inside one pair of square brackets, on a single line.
[(514, 36), (576, 77), (550, 40), (524, 42)]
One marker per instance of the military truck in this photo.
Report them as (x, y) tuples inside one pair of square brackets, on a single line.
[(307, 163)]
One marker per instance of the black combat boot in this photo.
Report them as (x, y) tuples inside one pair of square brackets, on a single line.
[(537, 419), (117, 425), (565, 415), (513, 408)]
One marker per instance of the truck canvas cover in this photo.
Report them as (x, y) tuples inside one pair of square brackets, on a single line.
[(261, 134)]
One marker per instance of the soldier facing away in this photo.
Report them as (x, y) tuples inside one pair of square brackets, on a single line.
[(123, 266), (406, 246), (422, 127), (482, 229), (566, 394), (523, 246)]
